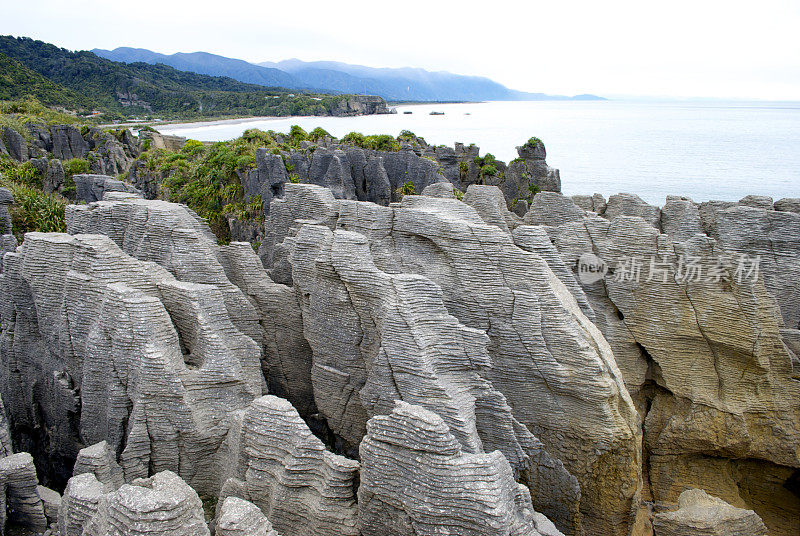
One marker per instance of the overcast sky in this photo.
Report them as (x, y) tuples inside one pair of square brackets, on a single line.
[(677, 48)]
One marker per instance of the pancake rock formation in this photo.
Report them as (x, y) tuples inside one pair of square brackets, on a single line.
[(417, 480), (272, 459), (700, 514), (371, 281)]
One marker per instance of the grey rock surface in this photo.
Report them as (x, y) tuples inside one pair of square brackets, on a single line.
[(687, 333), (770, 237), (552, 208), (757, 201), (238, 517), (22, 500), (700, 514), (417, 480), (79, 504), (155, 365), (6, 199), (406, 310), (788, 204), (489, 203), (91, 188), (100, 461), (631, 205), (680, 218), (15, 144), (273, 460), (440, 189), (487, 283), (162, 505)]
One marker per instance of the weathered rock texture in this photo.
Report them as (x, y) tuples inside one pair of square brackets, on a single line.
[(7, 240), (242, 518), (98, 346), (107, 152), (91, 188), (371, 332), (700, 514), (416, 480), (79, 504), (19, 487), (100, 461), (273, 460), (162, 505), (176, 238), (700, 346)]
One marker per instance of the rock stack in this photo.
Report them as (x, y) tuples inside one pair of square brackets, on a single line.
[(435, 364)]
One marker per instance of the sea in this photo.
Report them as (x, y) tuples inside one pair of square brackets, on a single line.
[(700, 149)]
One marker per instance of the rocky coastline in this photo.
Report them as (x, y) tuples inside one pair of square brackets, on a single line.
[(405, 340)]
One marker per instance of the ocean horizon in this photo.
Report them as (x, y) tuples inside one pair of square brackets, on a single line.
[(703, 149)]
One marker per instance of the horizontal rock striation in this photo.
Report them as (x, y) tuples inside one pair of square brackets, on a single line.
[(489, 284), (238, 517), (411, 349), (700, 514), (98, 346), (416, 480), (699, 343), (21, 499), (273, 460), (174, 237), (162, 505)]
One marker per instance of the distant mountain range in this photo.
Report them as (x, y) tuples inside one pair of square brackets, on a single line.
[(85, 82), (406, 84)]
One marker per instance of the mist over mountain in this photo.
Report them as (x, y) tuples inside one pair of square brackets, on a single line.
[(396, 84)]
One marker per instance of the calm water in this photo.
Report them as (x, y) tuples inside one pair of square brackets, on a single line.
[(705, 150)]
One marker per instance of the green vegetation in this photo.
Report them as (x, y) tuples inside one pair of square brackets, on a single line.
[(84, 81), (33, 210), (463, 169), (318, 133), (487, 165), (17, 81), (16, 114), (207, 178), (406, 189), (378, 142), (533, 142)]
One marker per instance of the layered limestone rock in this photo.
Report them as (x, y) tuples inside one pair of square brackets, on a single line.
[(100, 461), (162, 505), (680, 218), (411, 349), (174, 237), (416, 479), (91, 188), (238, 517), (536, 240), (700, 514), (529, 171), (489, 203), (22, 504), (632, 205), (7, 240), (272, 459), (98, 346), (552, 209), (543, 355), (771, 236), (788, 204), (699, 341), (79, 504)]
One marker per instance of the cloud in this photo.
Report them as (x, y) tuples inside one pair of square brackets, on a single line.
[(710, 48)]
